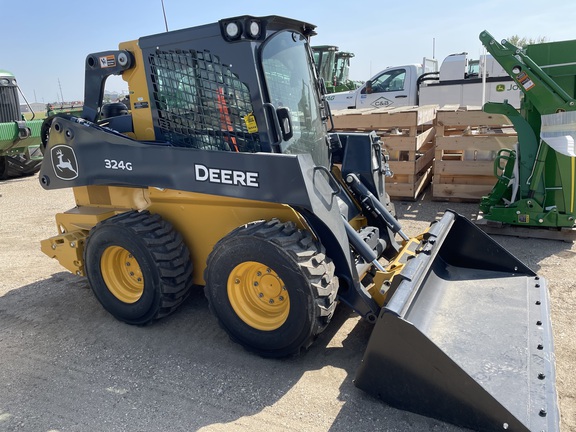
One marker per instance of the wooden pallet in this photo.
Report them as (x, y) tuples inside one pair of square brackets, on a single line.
[(408, 135), (467, 142), (383, 118)]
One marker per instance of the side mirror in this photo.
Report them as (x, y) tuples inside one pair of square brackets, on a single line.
[(285, 123)]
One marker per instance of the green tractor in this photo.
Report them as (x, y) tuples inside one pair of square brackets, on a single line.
[(20, 152), (334, 67), (536, 184)]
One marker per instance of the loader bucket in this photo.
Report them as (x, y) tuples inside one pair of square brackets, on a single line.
[(466, 337)]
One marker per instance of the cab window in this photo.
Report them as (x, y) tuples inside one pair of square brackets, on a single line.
[(387, 82)]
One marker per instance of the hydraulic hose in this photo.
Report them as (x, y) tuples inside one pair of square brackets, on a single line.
[(373, 206), (361, 247)]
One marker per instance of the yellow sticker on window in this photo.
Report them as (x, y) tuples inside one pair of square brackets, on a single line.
[(250, 121)]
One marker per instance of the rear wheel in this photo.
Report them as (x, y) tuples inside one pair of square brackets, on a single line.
[(271, 287), (138, 267)]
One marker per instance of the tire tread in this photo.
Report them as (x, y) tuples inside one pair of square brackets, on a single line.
[(311, 258), (170, 254)]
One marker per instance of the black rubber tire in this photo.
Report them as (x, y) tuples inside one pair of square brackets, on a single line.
[(163, 259), (45, 129), (19, 165), (3, 167), (302, 265)]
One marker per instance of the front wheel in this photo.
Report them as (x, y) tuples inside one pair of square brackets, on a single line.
[(272, 287), (138, 267)]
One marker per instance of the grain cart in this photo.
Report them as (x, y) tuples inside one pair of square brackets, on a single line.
[(223, 175), (19, 140), (536, 184)]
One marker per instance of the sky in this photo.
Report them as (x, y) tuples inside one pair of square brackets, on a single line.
[(45, 44)]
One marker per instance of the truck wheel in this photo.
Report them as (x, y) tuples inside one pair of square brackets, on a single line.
[(272, 287), (138, 267)]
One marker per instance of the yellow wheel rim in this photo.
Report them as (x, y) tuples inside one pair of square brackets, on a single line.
[(122, 274), (258, 296)]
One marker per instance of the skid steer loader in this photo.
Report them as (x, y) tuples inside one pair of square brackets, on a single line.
[(223, 174)]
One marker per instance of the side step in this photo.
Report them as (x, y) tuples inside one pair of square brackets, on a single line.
[(466, 337)]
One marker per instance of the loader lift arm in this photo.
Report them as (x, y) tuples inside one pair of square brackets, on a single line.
[(536, 182), (546, 95)]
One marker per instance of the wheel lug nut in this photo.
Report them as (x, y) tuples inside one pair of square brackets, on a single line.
[(236, 281), (271, 301), (131, 273), (127, 264), (260, 295), (255, 283), (139, 279), (258, 273), (281, 298)]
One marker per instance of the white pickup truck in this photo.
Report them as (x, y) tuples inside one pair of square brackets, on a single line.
[(459, 81)]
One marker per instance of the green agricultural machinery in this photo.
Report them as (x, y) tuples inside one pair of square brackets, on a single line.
[(536, 184), (73, 109), (20, 152), (334, 67)]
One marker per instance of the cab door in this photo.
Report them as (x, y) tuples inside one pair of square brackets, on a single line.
[(389, 89)]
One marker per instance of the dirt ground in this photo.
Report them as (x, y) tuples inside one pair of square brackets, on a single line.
[(67, 365)]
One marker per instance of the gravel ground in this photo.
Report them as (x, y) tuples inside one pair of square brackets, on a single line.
[(66, 365)]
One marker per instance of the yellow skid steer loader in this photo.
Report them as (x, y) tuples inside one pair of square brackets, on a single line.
[(224, 174)]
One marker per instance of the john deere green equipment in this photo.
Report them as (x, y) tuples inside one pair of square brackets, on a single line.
[(223, 174), (70, 108), (334, 67), (536, 184), (19, 139)]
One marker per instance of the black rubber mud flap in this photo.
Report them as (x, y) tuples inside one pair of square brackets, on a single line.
[(466, 338)]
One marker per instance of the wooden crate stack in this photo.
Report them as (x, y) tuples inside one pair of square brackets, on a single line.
[(407, 134), (467, 142)]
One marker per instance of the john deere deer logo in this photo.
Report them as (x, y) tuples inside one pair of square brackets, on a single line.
[(64, 162)]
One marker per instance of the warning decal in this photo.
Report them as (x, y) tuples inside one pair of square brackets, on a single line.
[(525, 81), (251, 124), (107, 61)]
